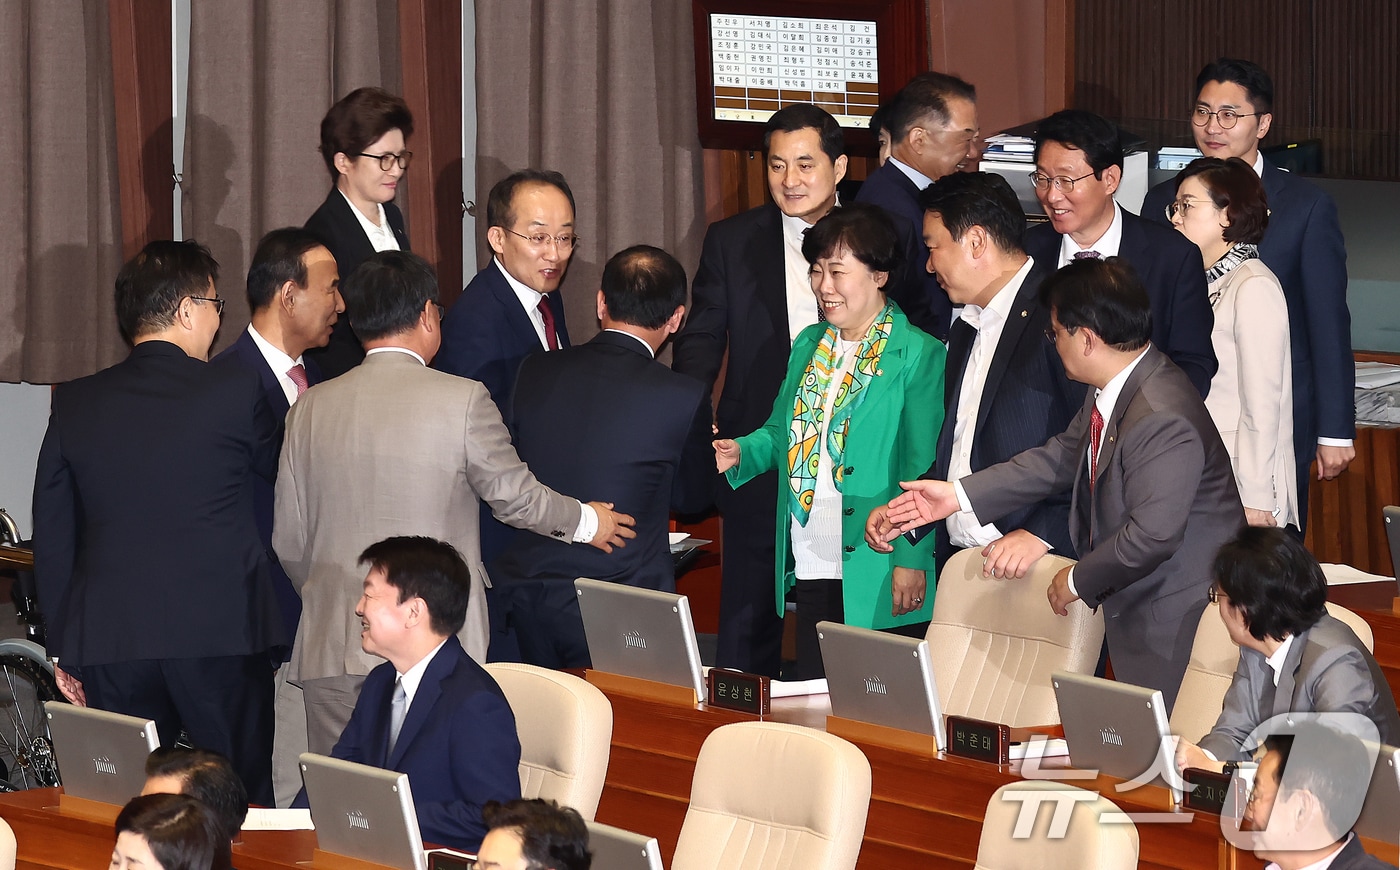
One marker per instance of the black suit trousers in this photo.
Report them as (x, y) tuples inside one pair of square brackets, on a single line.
[(750, 628)]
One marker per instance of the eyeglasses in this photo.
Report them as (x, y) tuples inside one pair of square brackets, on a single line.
[(1063, 183), (440, 309), (387, 161), (565, 242), (218, 303), (1226, 118), (1213, 595), (1052, 332), (1182, 206)]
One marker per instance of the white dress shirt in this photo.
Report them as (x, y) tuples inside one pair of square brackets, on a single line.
[(381, 235), (1106, 246), (963, 528), (530, 301), (279, 362), (816, 547), (801, 301)]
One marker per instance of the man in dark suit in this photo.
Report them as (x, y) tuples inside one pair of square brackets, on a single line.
[(157, 592), (363, 143), (1005, 388), (1153, 492), (933, 132), (606, 418), (294, 294), (512, 308), (1303, 247), (750, 298), (1078, 166), (430, 711)]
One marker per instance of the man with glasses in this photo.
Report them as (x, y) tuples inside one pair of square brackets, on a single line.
[(1078, 167), (1303, 246), (1294, 656), (155, 587), (363, 143), (933, 132)]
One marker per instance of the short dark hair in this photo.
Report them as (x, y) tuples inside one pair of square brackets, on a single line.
[(181, 832), (926, 95), (1233, 186), (643, 286), (1257, 84), (358, 120), (880, 118), (387, 292), (1336, 761), (208, 776), (151, 284), (863, 229), (500, 211), (1084, 131), (1104, 295), (552, 837), (426, 568), (278, 259), (800, 116), (964, 200), (1274, 581)]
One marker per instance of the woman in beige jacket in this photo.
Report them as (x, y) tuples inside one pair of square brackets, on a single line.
[(1220, 205)]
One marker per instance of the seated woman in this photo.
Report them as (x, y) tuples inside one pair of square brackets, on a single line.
[(858, 411), (1220, 206), (1294, 657), (169, 832)]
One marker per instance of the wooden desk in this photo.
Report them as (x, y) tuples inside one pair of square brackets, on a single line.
[(924, 812), (1374, 602), (50, 839)]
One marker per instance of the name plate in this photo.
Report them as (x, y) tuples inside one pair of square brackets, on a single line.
[(1212, 793), (736, 690), (979, 740)]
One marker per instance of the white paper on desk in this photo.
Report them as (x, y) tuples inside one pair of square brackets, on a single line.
[(260, 819), (794, 688), (1342, 575), (677, 537), (1039, 748)]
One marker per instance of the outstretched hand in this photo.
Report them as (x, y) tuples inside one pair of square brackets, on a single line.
[(923, 502)]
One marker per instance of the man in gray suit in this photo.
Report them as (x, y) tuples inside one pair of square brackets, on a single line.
[(1294, 657), (396, 448), (1152, 492)]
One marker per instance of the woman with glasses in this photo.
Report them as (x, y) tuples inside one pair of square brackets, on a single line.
[(363, 139), (858, 411), (1220, 205)]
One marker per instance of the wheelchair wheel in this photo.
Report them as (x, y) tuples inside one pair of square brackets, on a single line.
[(26, 682)]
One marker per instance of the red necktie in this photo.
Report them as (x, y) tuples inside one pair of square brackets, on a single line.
[(551, 338), (298, 375), (1095, 439)]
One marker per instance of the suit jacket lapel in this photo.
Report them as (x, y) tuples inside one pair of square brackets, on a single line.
[(1283, 695), (765, 255), (1150, 363), (349, 231), (520, 323), (272, 388), (429, 690), (1017, 319), (960, 338)]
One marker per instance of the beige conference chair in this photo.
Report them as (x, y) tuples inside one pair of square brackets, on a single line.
[(994, 643), (771, 796), (565, 727), (1214, 658), (1097, 836), (8, 847)]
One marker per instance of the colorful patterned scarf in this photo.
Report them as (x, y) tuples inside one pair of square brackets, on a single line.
[(805, 434)]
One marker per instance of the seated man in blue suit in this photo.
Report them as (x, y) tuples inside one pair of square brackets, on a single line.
[(430, 711), (932, 126), (1303, 246), (1078, 167)]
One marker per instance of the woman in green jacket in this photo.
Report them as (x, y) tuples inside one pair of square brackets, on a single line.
[(859, 411)]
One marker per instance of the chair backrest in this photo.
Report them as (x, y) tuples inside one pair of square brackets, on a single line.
[(565, 727), (1214, 658), (770, 796), (994, 643), (1098, 835), (8, 849)]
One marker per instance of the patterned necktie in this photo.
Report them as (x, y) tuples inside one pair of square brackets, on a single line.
[(551, 338), (1087, 255), (298, 375), (398, 707), (1095, 440)]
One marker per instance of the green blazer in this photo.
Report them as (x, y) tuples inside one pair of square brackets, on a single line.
[(892, 438)]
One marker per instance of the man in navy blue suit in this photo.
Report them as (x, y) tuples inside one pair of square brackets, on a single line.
[(933, 132), (512, 307), (1006, 390), (1302, 246), (294, 295), (430, 711), (1078, 167), (606, 417)]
